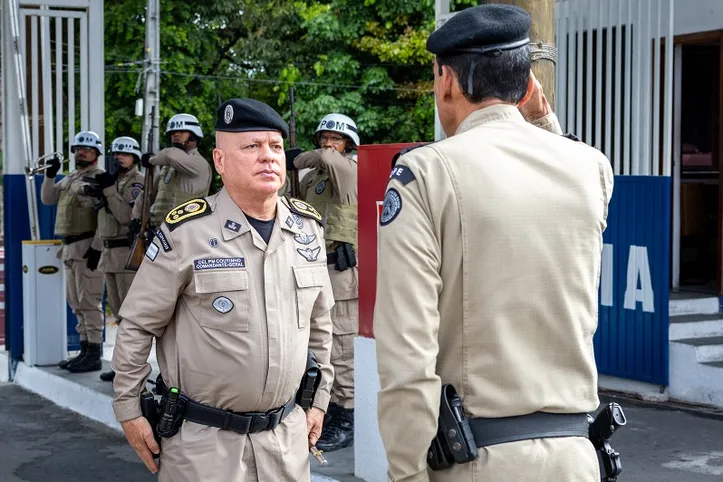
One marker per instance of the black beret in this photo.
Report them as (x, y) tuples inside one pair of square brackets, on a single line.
[(482, 29), (246, 115)]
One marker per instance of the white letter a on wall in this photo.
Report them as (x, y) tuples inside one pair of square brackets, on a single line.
[(639, 268)]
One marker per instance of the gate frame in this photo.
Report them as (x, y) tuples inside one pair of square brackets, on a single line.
[(14, 179)]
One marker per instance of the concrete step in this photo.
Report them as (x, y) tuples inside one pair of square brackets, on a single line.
[(707, 349), (695, 326), (693, 305), (693, 380), (715, 364)]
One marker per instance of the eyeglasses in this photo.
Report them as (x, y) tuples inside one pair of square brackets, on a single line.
[(332, 139)]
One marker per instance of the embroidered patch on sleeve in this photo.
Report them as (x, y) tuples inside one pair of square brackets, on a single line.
[(164, 241), (402, 174), (391, 208), (152, 252)]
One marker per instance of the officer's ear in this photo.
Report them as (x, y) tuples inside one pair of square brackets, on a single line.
[(446, 80), (219, 159)]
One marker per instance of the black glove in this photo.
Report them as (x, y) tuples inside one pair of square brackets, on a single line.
[(106, 179), (292, 154), (146, 159), (52, 171), (134, 226), (92, 188), (93, 257)]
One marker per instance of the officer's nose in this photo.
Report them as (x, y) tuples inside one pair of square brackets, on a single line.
[(267, 155)]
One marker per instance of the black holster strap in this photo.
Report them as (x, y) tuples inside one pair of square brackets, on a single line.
[(332, 258), (74, 238), (243, 423), (492, 431)]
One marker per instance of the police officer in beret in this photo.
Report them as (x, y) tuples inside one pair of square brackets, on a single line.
[(235, 289), (489, 258)]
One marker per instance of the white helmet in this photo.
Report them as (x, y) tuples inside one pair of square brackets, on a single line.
[(125, 145), (87, 139), (337, 123), (184, 122)]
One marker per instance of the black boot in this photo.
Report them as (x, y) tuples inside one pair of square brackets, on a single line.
[(90, 363), (339, 433), (107, 376), (83, 348), (330, 412)]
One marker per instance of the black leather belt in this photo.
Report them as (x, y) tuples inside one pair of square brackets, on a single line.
[(243, 423), (492, 431), (77, 237), (116, 243)]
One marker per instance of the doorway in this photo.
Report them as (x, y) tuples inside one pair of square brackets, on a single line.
[(698, 170)]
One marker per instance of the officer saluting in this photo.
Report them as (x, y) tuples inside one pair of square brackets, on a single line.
[(489, 257), (236, 290)]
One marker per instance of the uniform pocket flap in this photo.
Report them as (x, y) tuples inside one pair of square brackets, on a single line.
[(309, 276), (224, 280)]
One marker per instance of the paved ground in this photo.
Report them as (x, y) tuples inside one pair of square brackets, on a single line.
[(40, 442), (668, 445)]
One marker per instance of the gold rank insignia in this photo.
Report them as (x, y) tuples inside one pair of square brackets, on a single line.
[(190, 209), (303, 209)]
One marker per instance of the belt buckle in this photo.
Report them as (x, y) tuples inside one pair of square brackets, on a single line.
[(259, 422)]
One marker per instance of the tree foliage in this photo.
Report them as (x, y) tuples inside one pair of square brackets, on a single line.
[(363, 58)]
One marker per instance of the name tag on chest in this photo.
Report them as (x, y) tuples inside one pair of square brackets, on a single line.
[(216, 263)]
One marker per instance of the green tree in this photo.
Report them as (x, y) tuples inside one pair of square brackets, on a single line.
[(366, 59)]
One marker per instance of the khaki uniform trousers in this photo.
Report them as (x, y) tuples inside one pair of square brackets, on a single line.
[(84, 289), (345, 320), (117, 286), (117, 279)]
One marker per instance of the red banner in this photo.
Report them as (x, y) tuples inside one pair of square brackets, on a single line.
[(374, 166)]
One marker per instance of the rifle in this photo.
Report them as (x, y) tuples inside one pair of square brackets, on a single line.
[(293, 175), (138, 249)]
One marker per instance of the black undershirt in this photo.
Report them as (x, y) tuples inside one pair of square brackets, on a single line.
[(264, 228)]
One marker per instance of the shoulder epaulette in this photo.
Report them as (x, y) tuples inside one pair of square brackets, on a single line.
[(301, 208), (405, 150), (195, 208)]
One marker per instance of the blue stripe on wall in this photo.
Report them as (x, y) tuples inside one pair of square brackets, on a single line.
[(17, 229), (633, 343)]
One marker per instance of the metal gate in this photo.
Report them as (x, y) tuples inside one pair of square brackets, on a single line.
[(61, 46), (614, 85)]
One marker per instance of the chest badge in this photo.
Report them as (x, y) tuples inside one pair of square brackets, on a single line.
[(309, 254), (222, 304), (213, 242), (303, 238)]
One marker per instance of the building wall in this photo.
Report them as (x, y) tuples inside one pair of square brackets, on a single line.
[(692, 16)]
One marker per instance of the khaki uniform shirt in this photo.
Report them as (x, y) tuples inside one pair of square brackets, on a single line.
[(121, 198), (233, 319), (489, 259), (331, 183), (50, 194)]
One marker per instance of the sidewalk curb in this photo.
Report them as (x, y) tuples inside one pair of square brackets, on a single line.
[(67, 394), (78, 398)]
